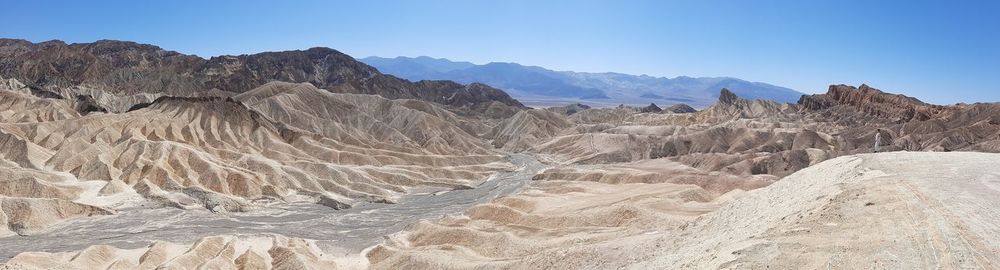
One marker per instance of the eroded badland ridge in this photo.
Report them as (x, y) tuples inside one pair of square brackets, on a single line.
[(120, 155)]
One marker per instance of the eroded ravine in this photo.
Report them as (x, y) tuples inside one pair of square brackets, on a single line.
[(348, 231)]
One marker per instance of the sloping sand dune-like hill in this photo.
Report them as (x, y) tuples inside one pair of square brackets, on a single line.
[(526, 128), (215, 252), (653, 171), (24, 216), (617, 115), (22, 106), (868, 209), (293, 142), (887, 210), (551, 216), (565, 207), (405, 125), (733, 126)]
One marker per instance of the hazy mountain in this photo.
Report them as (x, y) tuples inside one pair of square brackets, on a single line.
[(525, 81), (416, 68), (533, 84)]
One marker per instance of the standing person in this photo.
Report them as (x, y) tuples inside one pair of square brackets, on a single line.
[(878, 137)]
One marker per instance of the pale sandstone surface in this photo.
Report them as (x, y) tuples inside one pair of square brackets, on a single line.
[(889, 210)]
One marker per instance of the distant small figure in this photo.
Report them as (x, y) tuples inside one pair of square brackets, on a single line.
[(878, 137)]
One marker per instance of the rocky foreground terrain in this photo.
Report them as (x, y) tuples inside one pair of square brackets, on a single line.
[(120, 155)]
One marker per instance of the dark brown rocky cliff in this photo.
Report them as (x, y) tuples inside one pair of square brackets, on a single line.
[(122, 67)]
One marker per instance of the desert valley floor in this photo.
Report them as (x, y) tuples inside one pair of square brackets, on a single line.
[(118, 155)]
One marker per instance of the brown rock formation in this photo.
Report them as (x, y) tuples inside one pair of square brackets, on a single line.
[(872, 102), (124, 68), (680, 108), (652, 108)]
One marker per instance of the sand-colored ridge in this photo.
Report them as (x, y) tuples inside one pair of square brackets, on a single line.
[(565, 207), (25, 216), (654, 171), (224, 155), (527, 128), (550, 216), (216, 252), (896, 210)]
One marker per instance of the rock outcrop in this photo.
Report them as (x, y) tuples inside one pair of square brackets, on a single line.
[(680, 108), (873, 102), (652, 108), (731, 106), (906, 123)]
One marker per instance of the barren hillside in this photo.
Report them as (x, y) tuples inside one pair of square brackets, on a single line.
[(119, 155), (888, 210)]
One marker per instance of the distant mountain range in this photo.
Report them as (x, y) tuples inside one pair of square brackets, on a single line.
[(540, 86)]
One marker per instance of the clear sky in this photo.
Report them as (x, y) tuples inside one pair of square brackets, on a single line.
[(941, 51)]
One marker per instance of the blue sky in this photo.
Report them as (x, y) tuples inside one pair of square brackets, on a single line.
[(941, 52)]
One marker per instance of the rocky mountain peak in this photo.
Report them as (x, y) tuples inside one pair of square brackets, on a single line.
[(652, 108), (730, 105), (728, 97)]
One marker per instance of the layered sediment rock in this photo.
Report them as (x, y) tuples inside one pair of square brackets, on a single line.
[(280, 142), (874, 102), (26, 216), (526, 129)]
